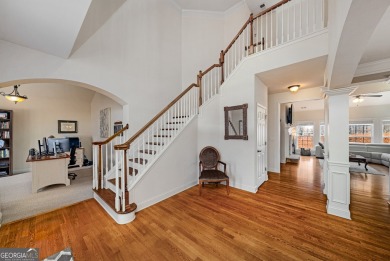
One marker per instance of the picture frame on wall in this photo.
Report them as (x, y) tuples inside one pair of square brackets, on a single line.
[(67, 126), (105, 119)]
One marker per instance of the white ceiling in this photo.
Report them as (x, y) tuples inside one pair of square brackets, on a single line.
[(308, 74), (59, 27), (368, 101), (378, 47), (223, 5), (207, 5), (50, 26)]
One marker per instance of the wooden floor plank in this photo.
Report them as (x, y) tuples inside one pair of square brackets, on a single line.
[(285, 220)]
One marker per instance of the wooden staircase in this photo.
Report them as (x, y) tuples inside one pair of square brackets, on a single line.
[(114, 181)]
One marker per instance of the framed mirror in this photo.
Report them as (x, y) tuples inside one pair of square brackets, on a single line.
[(236, 122)]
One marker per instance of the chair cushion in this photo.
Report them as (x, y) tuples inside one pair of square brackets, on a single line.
[(212, 174)]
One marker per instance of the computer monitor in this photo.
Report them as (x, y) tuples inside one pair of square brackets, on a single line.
[(63, 144), (74, 142)]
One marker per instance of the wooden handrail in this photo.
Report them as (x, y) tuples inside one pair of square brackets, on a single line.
[(237, 35), (271, 8), (112, 137), (251, 18), (126, 145), (210, 68)]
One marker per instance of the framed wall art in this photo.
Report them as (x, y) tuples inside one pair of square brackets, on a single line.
[(67, 126)]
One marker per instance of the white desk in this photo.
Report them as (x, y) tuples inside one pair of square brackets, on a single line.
[(49, 170)]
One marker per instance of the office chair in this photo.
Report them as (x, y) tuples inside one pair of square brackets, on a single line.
[(72, 163)]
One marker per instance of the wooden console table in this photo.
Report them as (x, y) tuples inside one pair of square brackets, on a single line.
[(49, 170)]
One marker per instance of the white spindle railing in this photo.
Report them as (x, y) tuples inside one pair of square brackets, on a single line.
[(105, 160), (210, 83), (145, 149), (238, 50), (288, 22)]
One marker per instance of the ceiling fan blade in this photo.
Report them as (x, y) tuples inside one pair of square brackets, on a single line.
[(374, 95)]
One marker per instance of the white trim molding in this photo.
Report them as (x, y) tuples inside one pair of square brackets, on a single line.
[(119, 218), (339, 189)]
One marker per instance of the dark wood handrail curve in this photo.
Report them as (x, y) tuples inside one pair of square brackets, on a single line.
[(125, 146), (112, 137)]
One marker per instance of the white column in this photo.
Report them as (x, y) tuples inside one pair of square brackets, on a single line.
[(326, 149), (338, 177)]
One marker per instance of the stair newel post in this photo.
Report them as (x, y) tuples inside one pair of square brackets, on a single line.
[(100, 175), (200, 87), (251, 46), (221, 62)]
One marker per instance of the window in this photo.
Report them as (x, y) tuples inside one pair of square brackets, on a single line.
[(361, 133), (305, 136), (322, 133), (386, 132)]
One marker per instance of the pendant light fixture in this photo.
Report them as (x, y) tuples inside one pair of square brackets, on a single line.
[(14, 95)]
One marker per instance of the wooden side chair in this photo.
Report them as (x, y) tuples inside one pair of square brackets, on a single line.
[(208, 168)]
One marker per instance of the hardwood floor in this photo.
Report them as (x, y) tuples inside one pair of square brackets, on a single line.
[(285, 220)]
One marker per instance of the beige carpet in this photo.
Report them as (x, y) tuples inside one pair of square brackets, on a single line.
[(17, 201)]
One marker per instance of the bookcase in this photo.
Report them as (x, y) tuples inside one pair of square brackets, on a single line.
[(5, 142)]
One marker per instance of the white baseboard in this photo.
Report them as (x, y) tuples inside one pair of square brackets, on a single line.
[(161, 197), (237, 185), (338, 212)]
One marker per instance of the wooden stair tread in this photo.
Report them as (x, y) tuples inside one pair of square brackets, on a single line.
[(151, 152), (155, 143), (131, 171), (178, 117), (109, 197), (139, 160)]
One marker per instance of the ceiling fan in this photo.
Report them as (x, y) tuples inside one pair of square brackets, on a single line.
[(359, 98)]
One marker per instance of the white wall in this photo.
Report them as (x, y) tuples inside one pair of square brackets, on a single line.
[(135, 56), (38, 117), (202, 41), (205, 34), (174, 171), (235, 18), (98, 103)]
